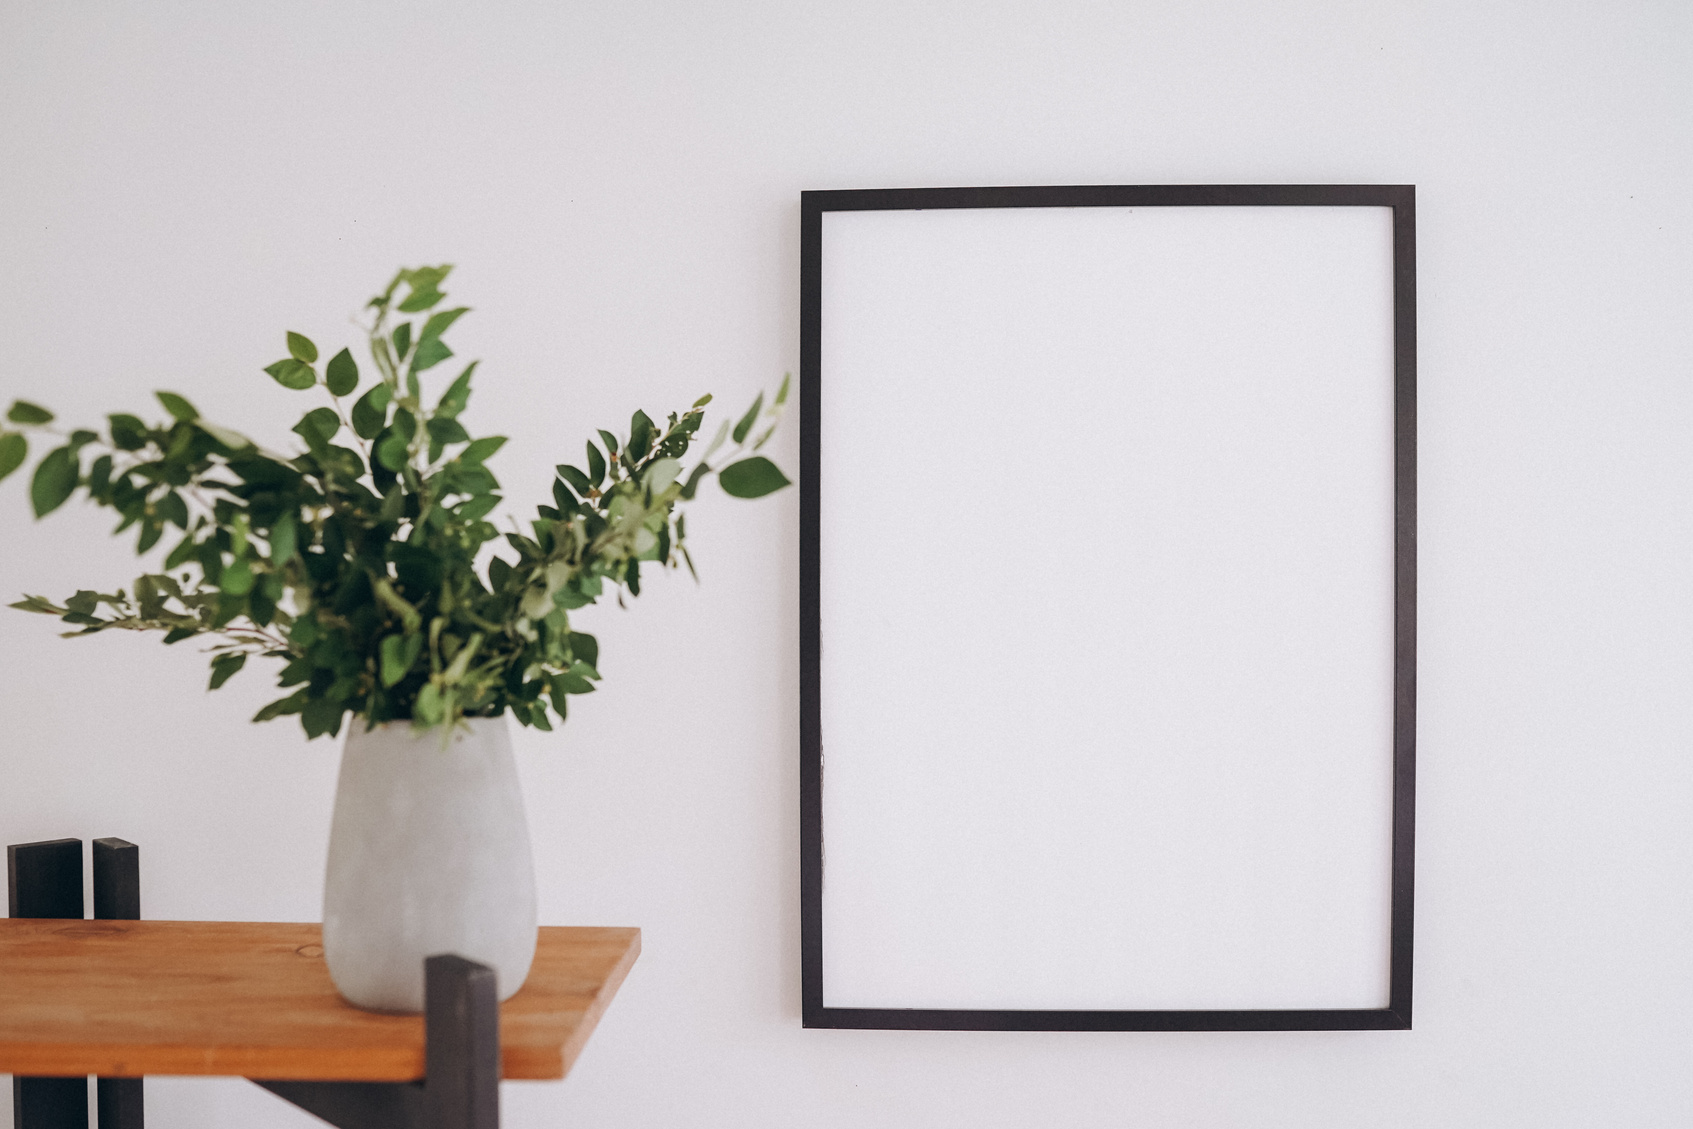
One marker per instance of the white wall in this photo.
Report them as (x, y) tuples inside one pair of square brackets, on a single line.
[(620, 186)]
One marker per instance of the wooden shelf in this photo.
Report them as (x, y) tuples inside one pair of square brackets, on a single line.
[(128, 998)]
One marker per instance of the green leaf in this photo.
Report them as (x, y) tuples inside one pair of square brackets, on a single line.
[(343, 461), (321, 716), (179, 555), (596, 464), (782, 392), (293, 374), (224, 668), (151, 531), (211, 561), (14, 448), (296, 672), (471, 480), (703, 400), (402, 339), (585, 648), (173, 509), (661, 474), (421, 299), (178, 407), (55, 480), (233, 440), (640, 436), (178, 634), (128, 432), (22, 411), (477, 508), (438, 323), (399, 653), (445, 430), (428, 709), (284, 537), (563, 684), (150, 601), (370, 412), (575, 477), (99, 478), (752, 478), (610, 442), (342, 375), (301, 348), (499, 572), (482, 449), (325, 421), (293, 703), (318, 426), (431, 351), (237, 579), (391, 452), (693, 482), (419, 572), (570, 600), (393, 505), (305, 631), (427, 278), (741, 428), (261, 604), (457, 396)]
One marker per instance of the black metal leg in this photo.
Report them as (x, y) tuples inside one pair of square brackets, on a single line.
[(461, 1087), (355, 1105), (462, 1054), (119, 1101), (117, 897), (117, 880), (45, 880), (50, 1103)]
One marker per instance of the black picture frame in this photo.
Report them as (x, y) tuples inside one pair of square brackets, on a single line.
[(1401, 200)]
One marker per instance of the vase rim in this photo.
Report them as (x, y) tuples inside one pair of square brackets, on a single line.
[(359, 725)]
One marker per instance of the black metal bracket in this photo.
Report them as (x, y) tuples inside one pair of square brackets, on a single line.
[(45, 880), (461, 1085)]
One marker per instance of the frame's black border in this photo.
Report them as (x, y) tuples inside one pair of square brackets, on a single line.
[(1400, 198)]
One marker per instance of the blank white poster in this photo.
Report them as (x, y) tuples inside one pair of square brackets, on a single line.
[(1107, 607)]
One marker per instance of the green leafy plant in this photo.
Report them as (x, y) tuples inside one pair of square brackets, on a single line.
[(355, 562)]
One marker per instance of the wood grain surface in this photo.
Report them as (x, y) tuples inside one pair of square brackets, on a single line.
[(127, 998)]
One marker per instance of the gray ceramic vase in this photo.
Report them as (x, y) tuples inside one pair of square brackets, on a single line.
[(428, 854)]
